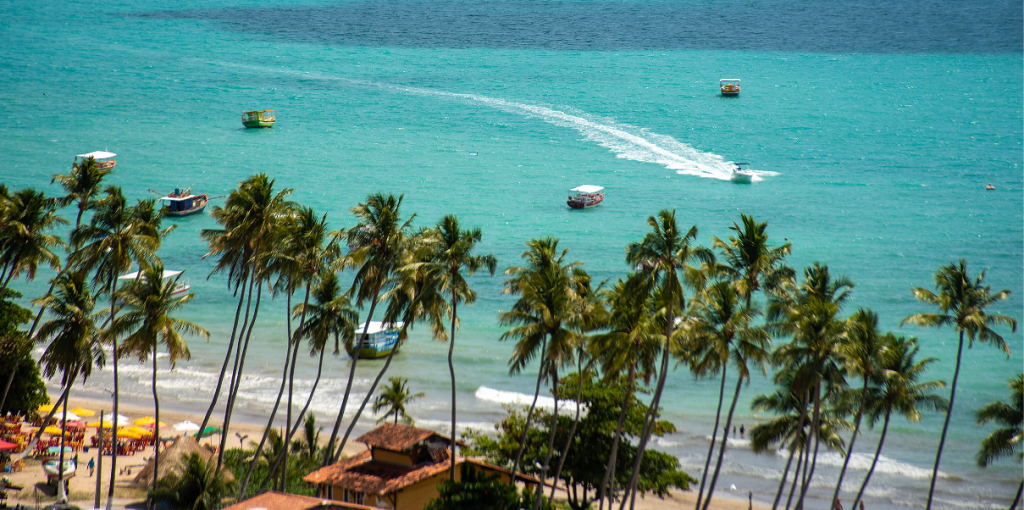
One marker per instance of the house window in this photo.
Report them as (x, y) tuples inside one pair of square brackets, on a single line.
[(354, 497), (330, 492)]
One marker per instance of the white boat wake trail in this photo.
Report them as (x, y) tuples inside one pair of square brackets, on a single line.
[(626, 141)]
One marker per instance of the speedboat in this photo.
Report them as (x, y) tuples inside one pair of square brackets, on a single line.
[(742, 173), (184, 203), (729, 87), (52, 468), (585, 196)]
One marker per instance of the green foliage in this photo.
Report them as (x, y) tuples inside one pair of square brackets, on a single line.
[(300, 463), (28, 391), (394, 398), (196, 488), (1005, 441), (477, 491), (591, 448)]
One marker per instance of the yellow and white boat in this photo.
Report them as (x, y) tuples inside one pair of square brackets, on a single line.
[(729, 87)]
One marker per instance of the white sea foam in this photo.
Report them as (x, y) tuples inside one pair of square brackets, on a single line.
[(862, 462), (732, 442), (514, 398)]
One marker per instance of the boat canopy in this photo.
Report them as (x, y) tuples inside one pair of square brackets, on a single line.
[(132, 276), (97, 155), (729, 80), (586, 188), (377, 327), (178, 199)]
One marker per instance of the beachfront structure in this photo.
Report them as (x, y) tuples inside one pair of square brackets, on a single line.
[(399, 471), (279, 501)]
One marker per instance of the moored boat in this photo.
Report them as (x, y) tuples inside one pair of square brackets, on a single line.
[(742, 173), (585, 196), (729, 87), (179, 285), (104, 160), (184, 203), (381, 338), (258, 119)]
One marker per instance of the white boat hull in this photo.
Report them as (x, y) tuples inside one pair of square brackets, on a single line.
[(52, 470), (743, 177)]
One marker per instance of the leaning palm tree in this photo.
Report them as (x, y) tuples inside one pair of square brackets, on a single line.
[(380, 245), (25, 241), (150, 301), (631, 345), (111, 241), (1005, 440), (901, 392), (860, 354), (249, 221), (726, 328), (74, 341), (750, 262), (962, 303), (449, 253), (542, 318), (394, 399), (664, 256)]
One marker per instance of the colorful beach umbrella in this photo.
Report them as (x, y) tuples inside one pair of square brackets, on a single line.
[(56, 449), (75, 424), (53, 430), (139, 430), (70, 416), (121, 421), (4, 445), (83, 412), (210, 431), (45, 408), (106, 424)]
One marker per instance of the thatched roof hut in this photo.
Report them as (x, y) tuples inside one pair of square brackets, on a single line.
[(171, 460)]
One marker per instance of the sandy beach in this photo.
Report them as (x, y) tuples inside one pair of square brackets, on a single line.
[(127, 494)]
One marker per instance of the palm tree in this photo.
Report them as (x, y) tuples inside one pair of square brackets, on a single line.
[(198, 487), (394, 399), (726, 329), (809, 313), (449, 252), (74, 340), (250, 218), (664, 256), (860, 354), (631, 345), (751, 261), (901, 392), (542, 319), (148, 323), (24, 242), (380, 245), (1005, 440), (962, 302), (114, 240)]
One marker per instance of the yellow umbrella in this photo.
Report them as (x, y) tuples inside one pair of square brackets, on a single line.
[(138, 430), (125, 433), (81, 411), (45, 408), (53, 430), (145, 420), (106, 425)]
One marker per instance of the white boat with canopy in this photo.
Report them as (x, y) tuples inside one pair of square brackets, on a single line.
[(104, 160), (585, 196), (179, 287)]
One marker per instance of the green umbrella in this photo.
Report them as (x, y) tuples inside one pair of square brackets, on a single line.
[(208, 431)]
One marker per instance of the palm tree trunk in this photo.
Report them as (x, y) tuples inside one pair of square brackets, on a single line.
[(451, 372), (30, 449), (227, 358), (797, 477), (330, 453), (238, 382), (575, 422), (652, 411), (725, 439), (366, 400), (815, 429), (298, 423), (785, 473), (529, 414), (551, 441), (156, 426), (945, 426), (853, 439), (113, 429), (714, 434), (62, 494), (291, 374), (878, 451), (7, 387), (270, 425), (610, 467), (10, 276)]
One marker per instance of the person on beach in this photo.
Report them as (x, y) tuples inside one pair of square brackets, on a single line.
[(92, 466), (742, 430)]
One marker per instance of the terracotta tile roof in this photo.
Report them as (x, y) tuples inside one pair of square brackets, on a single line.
[(395, 437), (279, 501)]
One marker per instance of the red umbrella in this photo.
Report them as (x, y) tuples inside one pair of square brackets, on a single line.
[(4, 445), (75, 424)]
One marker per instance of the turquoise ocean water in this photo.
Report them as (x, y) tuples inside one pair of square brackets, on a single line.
[(874, 128)]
